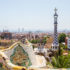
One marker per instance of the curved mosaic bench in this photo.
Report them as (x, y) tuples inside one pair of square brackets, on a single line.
[(18, 57), (6, 62), (7, 65)]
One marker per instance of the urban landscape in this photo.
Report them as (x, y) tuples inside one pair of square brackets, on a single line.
[(31, 49)]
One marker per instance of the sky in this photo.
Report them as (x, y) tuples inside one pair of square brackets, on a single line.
[(34, 14)]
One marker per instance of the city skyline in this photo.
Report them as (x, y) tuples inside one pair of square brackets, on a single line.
[(33, 15)]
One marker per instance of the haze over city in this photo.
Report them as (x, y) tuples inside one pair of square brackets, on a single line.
[(34, 14)]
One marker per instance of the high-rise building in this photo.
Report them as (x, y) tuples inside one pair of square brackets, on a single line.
[(55, 45)]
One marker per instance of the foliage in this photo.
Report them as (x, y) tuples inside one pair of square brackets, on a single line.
[(61, 61), (1, 65), (62, 37), (1, 69), (43, 40), (53, 61), (61, 51), (63, 46), (34, 46), (35, 41), (49, 64)]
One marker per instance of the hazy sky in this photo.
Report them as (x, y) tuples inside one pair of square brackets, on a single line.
[(34, 14)]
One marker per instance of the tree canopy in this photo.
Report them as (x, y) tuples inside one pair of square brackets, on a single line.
[(62, 37)]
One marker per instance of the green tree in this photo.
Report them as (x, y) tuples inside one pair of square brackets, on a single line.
[(62, 46), (62, 37), (1, 64), (61, 51), (35, 41), (61, 61), (44, 40)]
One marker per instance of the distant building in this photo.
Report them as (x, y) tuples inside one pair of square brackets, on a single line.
[(66, 39), (5, 43), (6, 35), (68, 42)]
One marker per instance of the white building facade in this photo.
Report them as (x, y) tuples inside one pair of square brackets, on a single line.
[(68, 42)]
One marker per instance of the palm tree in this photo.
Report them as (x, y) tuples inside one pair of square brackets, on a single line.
[(61, 61)]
